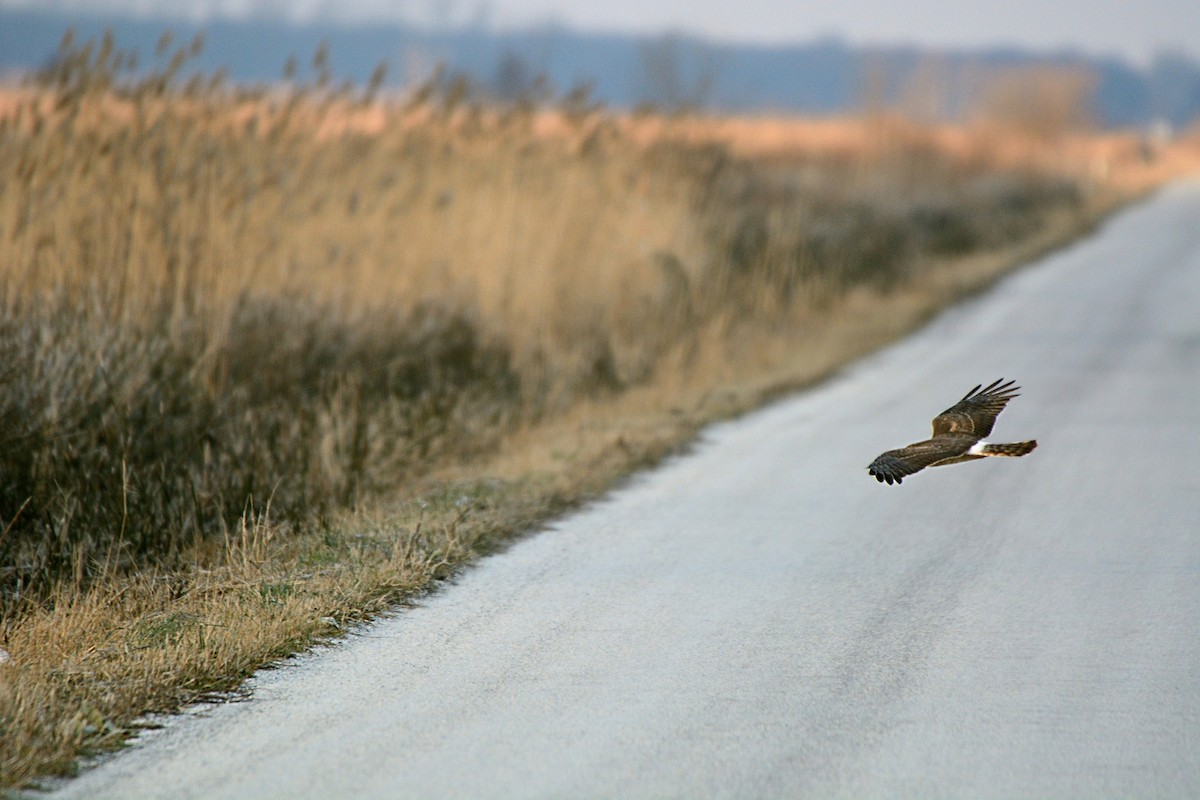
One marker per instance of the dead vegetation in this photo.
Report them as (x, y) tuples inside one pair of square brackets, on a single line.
[(274, 360)]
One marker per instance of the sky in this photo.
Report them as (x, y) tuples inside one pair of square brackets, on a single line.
[(1129, 29), (1133, 30)]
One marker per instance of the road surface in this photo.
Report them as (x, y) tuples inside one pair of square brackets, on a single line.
[(762, 619)]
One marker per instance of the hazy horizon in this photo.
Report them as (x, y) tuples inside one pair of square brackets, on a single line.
[(1133, 32)]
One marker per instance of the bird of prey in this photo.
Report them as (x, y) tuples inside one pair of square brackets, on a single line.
[(958, 435)]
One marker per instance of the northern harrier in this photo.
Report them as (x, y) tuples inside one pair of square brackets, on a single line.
[(958, 435)]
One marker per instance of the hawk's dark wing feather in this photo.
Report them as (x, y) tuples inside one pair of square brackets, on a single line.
[(894, 465), (976, 413)]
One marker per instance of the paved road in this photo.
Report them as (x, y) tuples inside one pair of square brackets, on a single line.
[(762, 619)]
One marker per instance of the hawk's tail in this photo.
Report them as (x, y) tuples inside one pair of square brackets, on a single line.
[(1012, 450)]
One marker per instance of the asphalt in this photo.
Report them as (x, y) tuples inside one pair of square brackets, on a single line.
[(761, 619)]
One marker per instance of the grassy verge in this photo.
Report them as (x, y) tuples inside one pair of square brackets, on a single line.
[(275, 361)]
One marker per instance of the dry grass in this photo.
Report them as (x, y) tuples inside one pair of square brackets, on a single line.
[(274, 361)]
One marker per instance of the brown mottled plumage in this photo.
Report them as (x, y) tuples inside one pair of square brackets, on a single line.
[(958, 435)]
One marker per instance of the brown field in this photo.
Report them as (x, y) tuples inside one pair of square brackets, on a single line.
[(273, 361)]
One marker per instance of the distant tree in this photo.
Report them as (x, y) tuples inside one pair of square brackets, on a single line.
[(1040, 100), (876, 84), (1175, 88), (513, 79), (676, 74), (926, 95)]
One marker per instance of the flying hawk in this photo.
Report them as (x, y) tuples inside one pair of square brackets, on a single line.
[(958, 435)]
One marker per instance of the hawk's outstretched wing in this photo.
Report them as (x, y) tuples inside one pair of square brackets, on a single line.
[(957, 436), (976, 413), (894, 465)]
